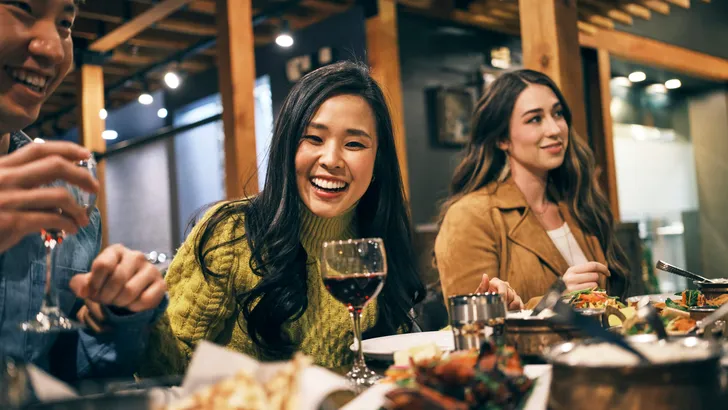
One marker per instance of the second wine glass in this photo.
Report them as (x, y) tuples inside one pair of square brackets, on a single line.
[(354, 272), (51, 318)]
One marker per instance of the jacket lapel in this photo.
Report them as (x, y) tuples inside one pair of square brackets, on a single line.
[(530, 234), (528, 231)]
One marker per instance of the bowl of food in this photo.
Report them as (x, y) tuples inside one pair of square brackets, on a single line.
[(681, 373)]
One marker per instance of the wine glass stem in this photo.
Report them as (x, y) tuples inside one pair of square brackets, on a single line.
[(49, 299), (356, 317)]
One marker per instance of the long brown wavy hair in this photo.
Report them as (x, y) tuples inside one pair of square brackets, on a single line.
[(573, 182)]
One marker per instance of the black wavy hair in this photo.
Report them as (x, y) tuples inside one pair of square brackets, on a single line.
[(272, 220)]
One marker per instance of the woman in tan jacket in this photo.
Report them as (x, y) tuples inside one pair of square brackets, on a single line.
[(524, 206)]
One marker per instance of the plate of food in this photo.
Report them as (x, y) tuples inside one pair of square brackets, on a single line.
[(492, 378), (653, 298), (384, 348), (592, 299)]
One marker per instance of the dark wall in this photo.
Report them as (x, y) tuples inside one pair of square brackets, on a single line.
[(703, 27), (434, 54)]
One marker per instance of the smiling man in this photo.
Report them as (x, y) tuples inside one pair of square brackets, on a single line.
[(117, 293)]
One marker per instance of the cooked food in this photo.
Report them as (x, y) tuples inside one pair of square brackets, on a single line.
[(594, 298), (674, 325), (244, 392), (490, 379), (695, 298)]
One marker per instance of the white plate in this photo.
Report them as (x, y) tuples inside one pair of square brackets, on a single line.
[(656, 298), (383, 348)]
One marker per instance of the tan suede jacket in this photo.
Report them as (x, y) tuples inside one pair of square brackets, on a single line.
[(494, 231)]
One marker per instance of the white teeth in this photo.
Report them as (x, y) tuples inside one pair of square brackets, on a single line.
[(327, 184), (27, 77)]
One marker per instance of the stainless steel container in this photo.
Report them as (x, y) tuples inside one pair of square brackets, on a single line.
[(473, 315), (668, 385), (712, 290)]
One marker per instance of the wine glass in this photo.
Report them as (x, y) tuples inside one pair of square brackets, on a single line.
[(51, 318), (353, 272)]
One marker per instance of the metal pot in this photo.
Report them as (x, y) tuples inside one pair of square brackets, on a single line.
[(688, 384), (532, 336), (712, 290)]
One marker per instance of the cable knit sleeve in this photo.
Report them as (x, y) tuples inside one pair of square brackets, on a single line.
[(199, 303)]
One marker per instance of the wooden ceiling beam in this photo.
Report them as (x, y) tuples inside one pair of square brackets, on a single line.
[(596, 19), (680, 3), (133, 27), (610, 11), (187, 27), (656, 53), (656, 6), (203, 7)]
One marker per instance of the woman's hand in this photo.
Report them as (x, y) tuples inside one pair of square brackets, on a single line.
[(585, 276), (495, 285)]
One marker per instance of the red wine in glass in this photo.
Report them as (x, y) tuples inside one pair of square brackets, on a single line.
[(353, 272), (355, 290)]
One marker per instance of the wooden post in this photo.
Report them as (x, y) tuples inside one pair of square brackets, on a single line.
[(236, 64), (597, 71), (550, 37), (90, 85), (383, 56)]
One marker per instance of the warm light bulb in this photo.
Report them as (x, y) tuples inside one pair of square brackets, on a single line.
[(284, 40), (172, 80), (637, 76), (673, 84), (146, 99)]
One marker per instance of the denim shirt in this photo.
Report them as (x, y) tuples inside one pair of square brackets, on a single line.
[(83, 353)]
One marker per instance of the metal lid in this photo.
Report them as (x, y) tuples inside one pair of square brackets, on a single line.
[(475, 298)]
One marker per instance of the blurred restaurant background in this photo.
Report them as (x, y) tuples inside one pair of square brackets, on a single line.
[(179, 97)]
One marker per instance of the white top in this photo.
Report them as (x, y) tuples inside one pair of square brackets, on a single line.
[(567, 245)]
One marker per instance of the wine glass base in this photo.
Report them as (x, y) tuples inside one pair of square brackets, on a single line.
[(50, 321), (361, 377)]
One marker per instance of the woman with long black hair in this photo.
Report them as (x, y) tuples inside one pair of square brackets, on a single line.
[(248, 277)]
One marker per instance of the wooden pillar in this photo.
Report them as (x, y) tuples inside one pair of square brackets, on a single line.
[(597, 72), (383, 56), (236, 64), (90, 85), (551, 45)]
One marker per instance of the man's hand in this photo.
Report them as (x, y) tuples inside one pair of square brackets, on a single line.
[(26, 206), (93, 317), (122, 278)]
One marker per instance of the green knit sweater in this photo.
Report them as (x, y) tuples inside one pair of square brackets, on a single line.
[(205, 308)]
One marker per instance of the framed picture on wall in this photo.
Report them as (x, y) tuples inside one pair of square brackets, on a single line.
[(452, 109)]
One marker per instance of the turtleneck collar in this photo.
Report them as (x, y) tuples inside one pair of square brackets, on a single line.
[(316, 230)]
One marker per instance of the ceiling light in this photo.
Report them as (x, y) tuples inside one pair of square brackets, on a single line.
[(284, 38), (637, 76), (109, 135), (621, 81), (172, 80), (673, 84), (162, 113), (103, 114), (39, 140), (146, 99), (656, 89)]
